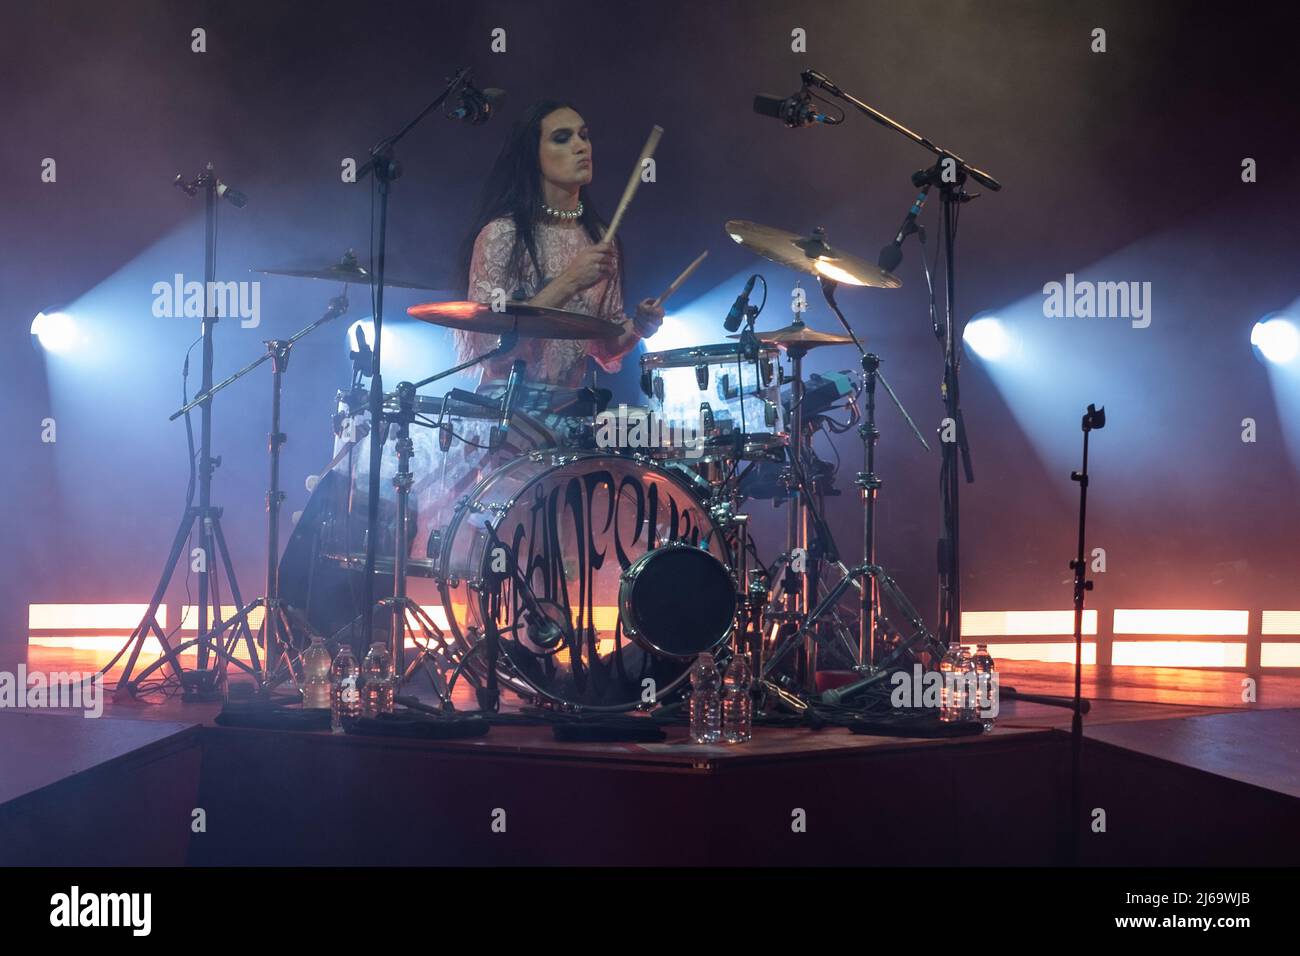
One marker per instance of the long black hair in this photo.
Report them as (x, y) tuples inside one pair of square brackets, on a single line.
[(514, 190)]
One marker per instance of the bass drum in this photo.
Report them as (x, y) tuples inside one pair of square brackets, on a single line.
[(571, 525)]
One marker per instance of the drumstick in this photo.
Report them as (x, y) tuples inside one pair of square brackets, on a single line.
[(676, 284), (633, 182)]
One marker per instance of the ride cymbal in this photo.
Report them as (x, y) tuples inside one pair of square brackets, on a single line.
[(347, 270), (533, 321), (810, 254)]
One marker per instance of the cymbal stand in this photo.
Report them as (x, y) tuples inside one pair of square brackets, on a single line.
[(403, 609), (276, 632)]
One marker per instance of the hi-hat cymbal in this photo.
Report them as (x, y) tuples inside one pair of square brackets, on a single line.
[(810, 254), (533, 321), (798, 335), (347, 270)]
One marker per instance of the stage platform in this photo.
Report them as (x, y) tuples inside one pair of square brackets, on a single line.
[(1177, 784)]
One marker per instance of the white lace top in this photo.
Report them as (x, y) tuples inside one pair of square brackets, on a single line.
[(550, 361)]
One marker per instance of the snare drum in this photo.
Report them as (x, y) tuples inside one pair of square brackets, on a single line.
[(732, 401)]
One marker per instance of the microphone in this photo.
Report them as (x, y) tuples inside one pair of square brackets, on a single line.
[(795, 110), (834, 695), (363, 360), (191, 188), (475, 104), (502, 430), (892, 254), (739, 307), (233, 196)]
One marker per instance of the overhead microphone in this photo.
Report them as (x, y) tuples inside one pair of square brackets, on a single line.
[(476, 105), (795, 111)]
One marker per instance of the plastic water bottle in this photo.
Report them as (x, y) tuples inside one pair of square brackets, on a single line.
[(377, 681), (952, 692), (345, 691), (970, 681), (984, 671), (737, 705), (706, 702), (316, 675)]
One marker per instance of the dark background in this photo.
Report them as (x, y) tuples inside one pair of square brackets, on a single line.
[(1123, 165)]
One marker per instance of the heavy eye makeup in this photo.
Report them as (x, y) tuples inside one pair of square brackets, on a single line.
[(565, 134)]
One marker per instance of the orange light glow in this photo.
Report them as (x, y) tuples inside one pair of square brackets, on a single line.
[(190, 616), (1281, 622), (1191, 622), (453, 310), (1279, 655), (1056, 652), (1178, 654), (1024, 623), (73, 618)]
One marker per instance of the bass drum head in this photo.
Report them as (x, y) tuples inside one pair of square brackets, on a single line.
[(571, 524), (678, 601)]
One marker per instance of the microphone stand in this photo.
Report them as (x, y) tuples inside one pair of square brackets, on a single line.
[(385, 168), (1093, 418), (276, 632), (198, 684), (949, 173)]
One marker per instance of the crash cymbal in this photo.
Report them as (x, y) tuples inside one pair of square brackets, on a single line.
[(533, 321), (799, 335), (810, 254), (346, 270)]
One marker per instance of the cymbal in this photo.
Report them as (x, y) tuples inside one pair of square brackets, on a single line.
[(533, 321), (346, 270), (810, 254), (798, 334)]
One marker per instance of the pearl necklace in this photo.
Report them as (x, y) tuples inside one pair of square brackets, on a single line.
[(563, 214)]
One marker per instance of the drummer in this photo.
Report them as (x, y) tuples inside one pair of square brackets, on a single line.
[(538, 238)]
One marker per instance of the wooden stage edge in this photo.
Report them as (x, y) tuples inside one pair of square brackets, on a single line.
[(1161, 785)]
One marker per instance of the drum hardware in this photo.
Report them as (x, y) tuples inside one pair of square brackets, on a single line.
[(401, 606), (386, 169), (949, 173), (207, 516)]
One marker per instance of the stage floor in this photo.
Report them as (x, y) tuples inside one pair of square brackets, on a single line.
[(1157, 767)]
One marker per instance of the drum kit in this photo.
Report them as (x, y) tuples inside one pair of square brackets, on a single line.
[(582, 572), (583, 575), (586, 575)]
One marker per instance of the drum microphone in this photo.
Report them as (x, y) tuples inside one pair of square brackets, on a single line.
[(475, 104), (892, 254), (739, 307), (502, 430), (794, 111)]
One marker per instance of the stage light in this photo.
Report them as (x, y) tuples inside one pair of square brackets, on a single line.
[(1277, 339), (56, 331), (988, 338)]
